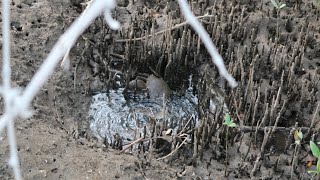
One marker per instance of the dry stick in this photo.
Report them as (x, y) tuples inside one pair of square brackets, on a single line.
[(249, 87), (237, 108), (131, 144), (142, 171), (313, 120), (139, 140), (277, 98), (226, 159), (204, 134), (251, 103), (177, 26), (118, 56), (262, 122), (182, 143), (86, 45), (75, 75), (58, 117), (254, 169), (174, 145), (278, 117), (185, 126), (248, 129), (247, 153), (267, 132), (195, 146), (255, 108), (271, 117)]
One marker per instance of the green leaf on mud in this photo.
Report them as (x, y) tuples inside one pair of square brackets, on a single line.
[(227, 119), (315, 150)]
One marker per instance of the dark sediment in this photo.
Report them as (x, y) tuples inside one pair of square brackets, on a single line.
[(277, 72)]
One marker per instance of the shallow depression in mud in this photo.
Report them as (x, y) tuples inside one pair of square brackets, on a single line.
[(111, 114)]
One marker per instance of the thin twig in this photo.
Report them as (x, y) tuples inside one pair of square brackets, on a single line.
[(182, 143), (177, 26), (185, 126), (127, 146), (313, 120), (75, 75), (237, 108), (248, 129), (131, 144)]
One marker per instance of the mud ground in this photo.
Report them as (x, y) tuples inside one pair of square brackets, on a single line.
[(54, 142)]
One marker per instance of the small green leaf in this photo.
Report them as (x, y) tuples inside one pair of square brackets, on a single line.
[(232, 124), (318, 165), (275, 4), (315, 150), (227, 119), (282, 6)]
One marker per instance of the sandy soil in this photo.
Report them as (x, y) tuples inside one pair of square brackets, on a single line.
[(55, 143)]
